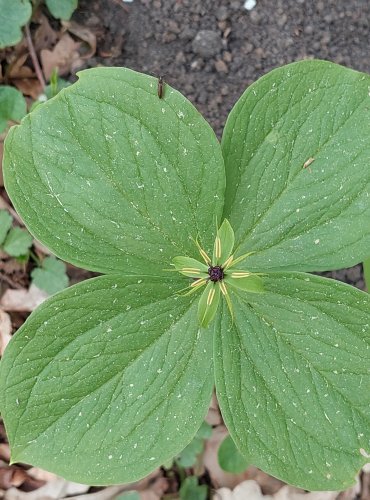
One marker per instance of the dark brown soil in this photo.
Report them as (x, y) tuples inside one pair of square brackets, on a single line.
[(212, 50)]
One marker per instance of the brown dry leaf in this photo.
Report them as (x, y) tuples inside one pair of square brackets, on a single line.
[(41, 474), (269, 484), (52, 490), (5, 330), (214, 415), (251, 490), (64, 56), (28, 86), (22, 300), (210, 460), (85, 35), (5, 453), (12, 476), (44, 36), (246, 490)]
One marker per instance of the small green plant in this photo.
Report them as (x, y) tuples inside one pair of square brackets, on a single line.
[(14, 241), (50, 273), (14, 14), (112, 377)]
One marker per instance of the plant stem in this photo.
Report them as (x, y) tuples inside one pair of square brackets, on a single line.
[(34, 58)]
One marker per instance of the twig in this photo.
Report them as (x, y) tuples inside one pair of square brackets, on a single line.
[(34, 58), (10, 282)]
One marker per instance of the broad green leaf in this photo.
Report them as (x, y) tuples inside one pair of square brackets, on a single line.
[(13, 15), (6, 221), (224, 243), (17, 242), (107, 380), (62, 9), (293, 381), (51, 276), (114, 179), (230, 458), (191, 490), (12, 104), (296, 148)]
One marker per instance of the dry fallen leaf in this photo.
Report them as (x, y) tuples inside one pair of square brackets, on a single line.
[(52, 490), (5, 330), (250, 490), (214, 415), (64, 56), (246, 490), (85, 35), (44, 35), (22, 300)]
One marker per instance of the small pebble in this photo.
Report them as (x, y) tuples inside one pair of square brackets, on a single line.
[(207, 43)]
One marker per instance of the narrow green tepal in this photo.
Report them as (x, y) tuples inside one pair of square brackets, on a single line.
[(296, 148)]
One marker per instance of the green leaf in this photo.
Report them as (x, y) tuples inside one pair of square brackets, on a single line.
[(55, 86), (190, 489), (62, 9), (129, 495), (107, 380), (113, 179), (296, 148), (190, 267), (6, 221), (188, 456), (51, 276), (230, 458), (293, 382), (17, 242), (252, 283), (12, 104), (208, 304), (205, 431), (13, 15), (224, 243)]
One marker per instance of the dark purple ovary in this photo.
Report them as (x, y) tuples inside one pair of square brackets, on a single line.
[(216, 273)]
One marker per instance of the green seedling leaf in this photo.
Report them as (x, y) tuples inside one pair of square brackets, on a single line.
[(51, 276), (300, 351), (62, 9), (188, 456), (296, 147), (191, 490), (55, 87), (230, 458), (205, 431), (129, 495), (114, 375), (6, 221), (13, 15), (12, 104), (123, 179), (17, 242)]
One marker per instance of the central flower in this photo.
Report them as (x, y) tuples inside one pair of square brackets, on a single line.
[(218, 274)]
